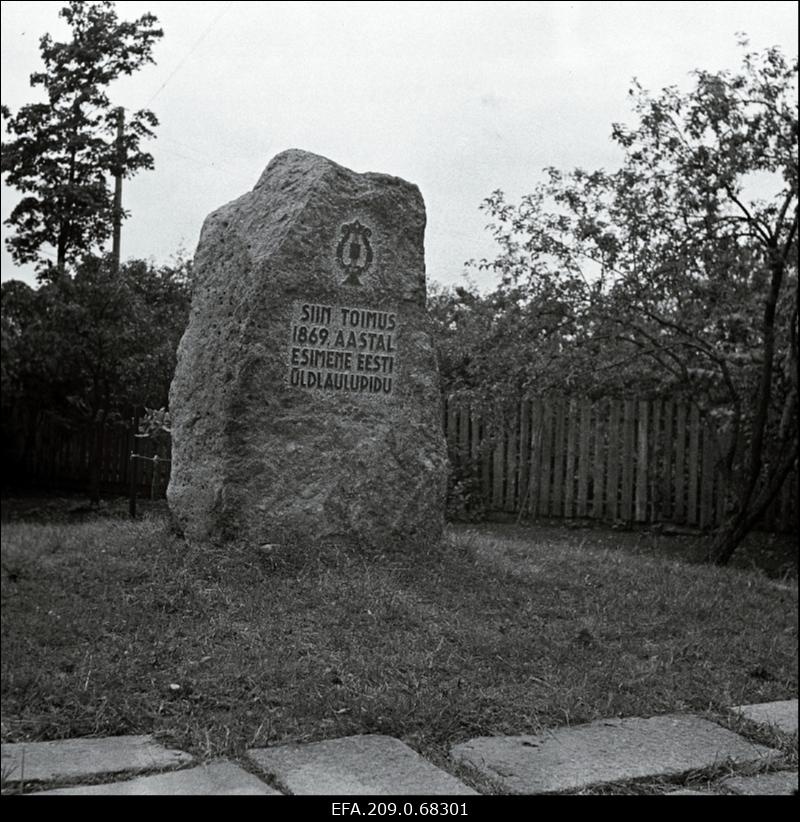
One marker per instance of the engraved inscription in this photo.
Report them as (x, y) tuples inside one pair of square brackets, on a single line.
[(342, 349)]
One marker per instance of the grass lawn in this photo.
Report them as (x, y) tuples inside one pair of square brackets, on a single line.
[(118, 627)]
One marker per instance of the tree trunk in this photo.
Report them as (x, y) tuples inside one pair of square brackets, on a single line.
[(64, 223), (61, 250), (730, 535), (749, 510), (726, 540)]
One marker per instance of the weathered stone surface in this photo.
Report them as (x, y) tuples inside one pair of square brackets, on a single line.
[(221, 778), (782, 783), (369, 764), (68, 758), (262, 453), (609, 750), (782, 715)]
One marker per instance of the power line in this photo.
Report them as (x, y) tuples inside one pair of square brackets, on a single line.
[(190, 52), (201, 155), (204, 164)]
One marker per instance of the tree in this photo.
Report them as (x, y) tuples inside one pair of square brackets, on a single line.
[(678, 271), (63, 150), (90, 348)]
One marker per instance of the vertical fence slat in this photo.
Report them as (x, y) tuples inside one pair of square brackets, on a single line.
[(102, 444), (142, 472), (128, 449), (51, 455), (558, 423), (524, 453), (463, 431), (599, 460), (113, 446), (569, 462), (58, 441), (451, 425), (680, 464), (511, 462), (789, 507), (108, 452), (150, 469), (123, 456), (721, 494), (666, 465), (475, 435), (612, 481), (497, 471), (628, 441), (642, 424), (694, 465), (111, 449), (486, 460), (535, 449), (720, 480), (656, 463), (784, 503), (545, 468), (583, 456), (707, 480)]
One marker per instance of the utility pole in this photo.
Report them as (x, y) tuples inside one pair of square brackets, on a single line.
[(118, 189)]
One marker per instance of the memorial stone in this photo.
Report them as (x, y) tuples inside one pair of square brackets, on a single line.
[(305, 403)]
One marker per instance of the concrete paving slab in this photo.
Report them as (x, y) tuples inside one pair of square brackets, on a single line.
[(65, 759), (219, 778), (609, 750), (781, 714), (367, 764), (782, 783), (690, 792)]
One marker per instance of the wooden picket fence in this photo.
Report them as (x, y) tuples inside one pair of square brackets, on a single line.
[(618, 460), (59, 460)]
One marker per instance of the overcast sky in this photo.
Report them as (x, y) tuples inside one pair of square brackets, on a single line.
[(460, 98)]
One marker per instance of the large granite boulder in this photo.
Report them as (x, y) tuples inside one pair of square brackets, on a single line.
[(305, 404)]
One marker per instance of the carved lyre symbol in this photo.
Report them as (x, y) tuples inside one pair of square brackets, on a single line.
[(355, 238)]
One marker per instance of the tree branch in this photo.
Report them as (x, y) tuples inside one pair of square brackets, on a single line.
[(759, 228)]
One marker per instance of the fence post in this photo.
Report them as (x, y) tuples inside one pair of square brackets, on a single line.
[(154, 478)]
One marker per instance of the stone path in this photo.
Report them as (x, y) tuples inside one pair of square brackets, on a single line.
[(610, 750), (765, 784), (75, 759), (782, 715), (220, 778), (378, 765), (569, 760)]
